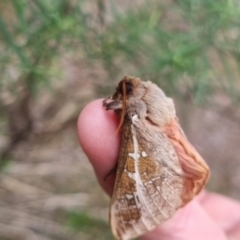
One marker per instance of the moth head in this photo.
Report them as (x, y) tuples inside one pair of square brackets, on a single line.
[(126, 88), (145, 98)]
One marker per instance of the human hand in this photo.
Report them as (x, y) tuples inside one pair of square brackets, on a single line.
[(208, 216)]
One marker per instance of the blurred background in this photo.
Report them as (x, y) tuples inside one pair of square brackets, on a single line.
[(56, 56)]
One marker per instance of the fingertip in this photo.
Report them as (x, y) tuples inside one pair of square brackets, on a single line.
[(225, 211), (98, 139), (189, 222)]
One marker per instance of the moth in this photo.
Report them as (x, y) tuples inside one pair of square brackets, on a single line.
[(158, 170)]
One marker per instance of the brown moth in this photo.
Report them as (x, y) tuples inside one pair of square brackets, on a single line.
[(158, 171)]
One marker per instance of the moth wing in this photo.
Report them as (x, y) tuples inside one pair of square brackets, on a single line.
[(123, 208), (195, 170), (147, 190)]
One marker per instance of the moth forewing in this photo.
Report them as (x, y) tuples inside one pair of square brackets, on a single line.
[(158, 169)]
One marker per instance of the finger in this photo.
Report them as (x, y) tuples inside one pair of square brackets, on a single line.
[(188, 223), (97, 136), (225, 212), (99, 140)]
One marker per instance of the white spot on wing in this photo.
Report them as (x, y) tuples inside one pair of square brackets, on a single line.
[(131, 175), (134, 118), (144, 154), (129, 196), (134, 155)]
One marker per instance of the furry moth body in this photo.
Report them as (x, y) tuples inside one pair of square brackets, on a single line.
[(158, 171)]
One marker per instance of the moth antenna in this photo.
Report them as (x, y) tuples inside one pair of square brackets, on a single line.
[(123, 107)]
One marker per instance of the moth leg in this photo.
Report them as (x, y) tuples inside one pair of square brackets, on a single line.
[(112, 171), (105, 100), (114, 105)]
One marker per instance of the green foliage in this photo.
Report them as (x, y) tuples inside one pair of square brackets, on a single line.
[(32, 40), (97, 229), (174, 43)]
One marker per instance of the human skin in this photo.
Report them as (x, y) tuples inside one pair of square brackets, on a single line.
[(208, 216)]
